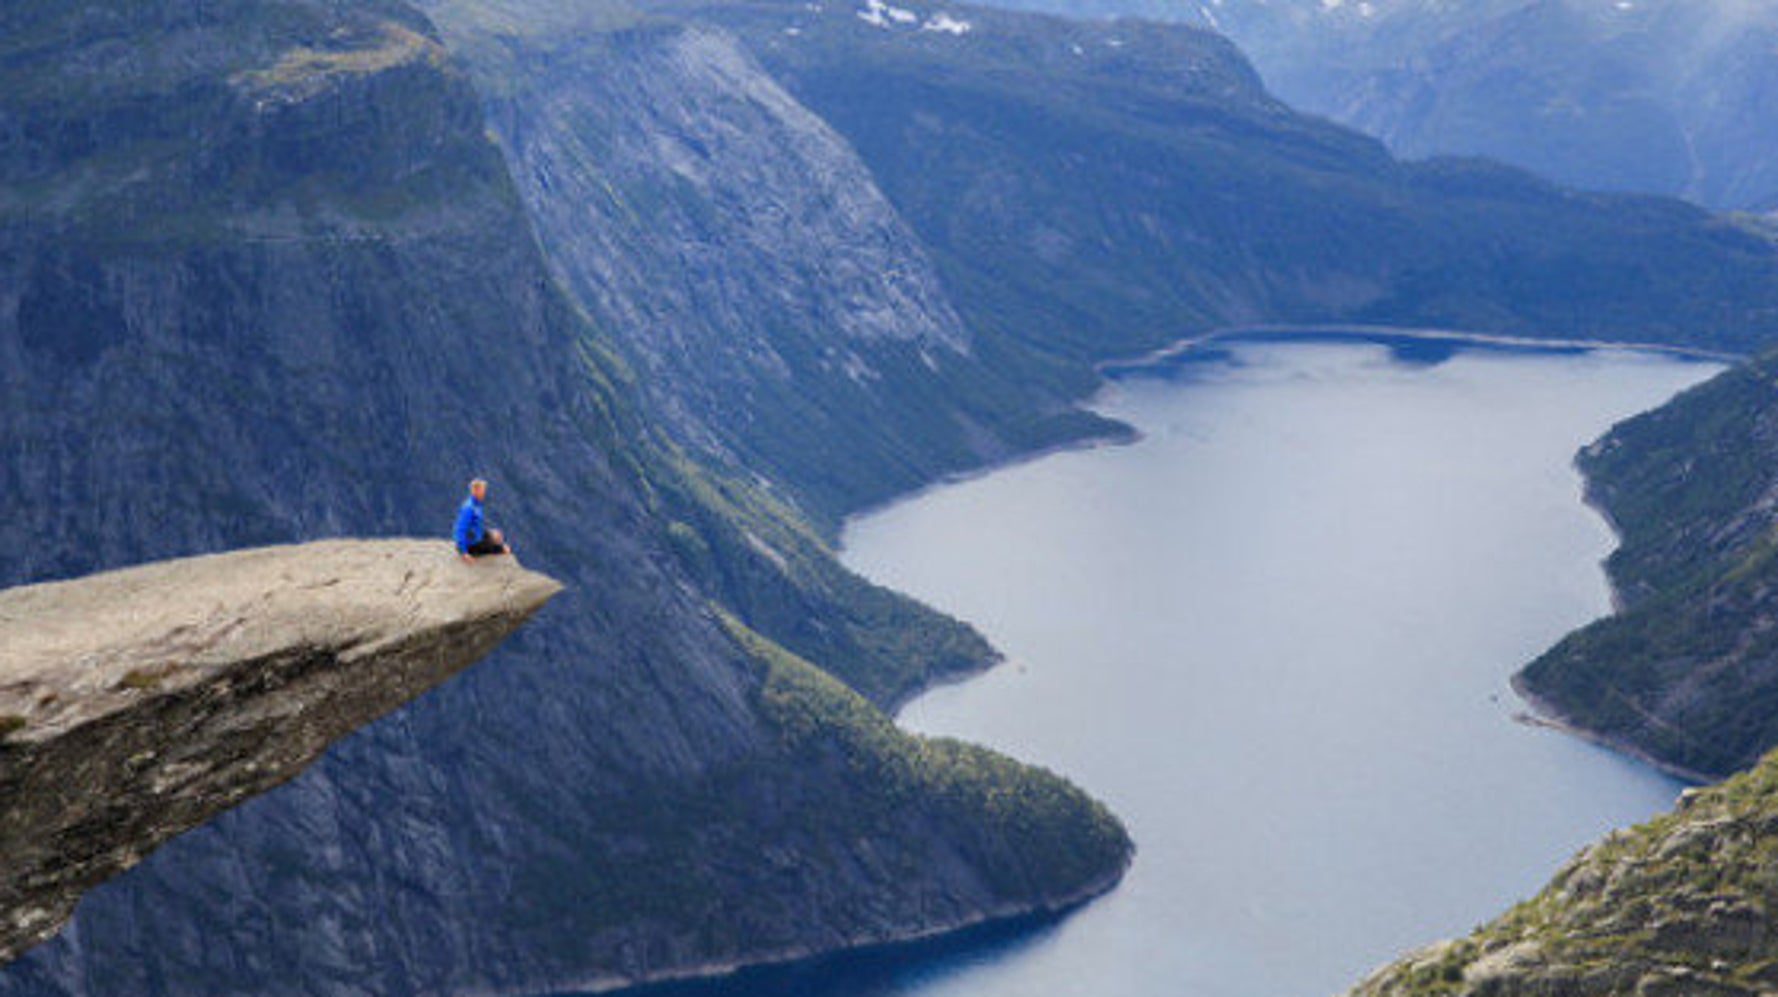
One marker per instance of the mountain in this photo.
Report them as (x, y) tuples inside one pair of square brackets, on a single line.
[(264, 277), (1686, 673), (853, 249), (1090, 190), (780, 315), (1654, 96), (1680, 905), (688, 287)]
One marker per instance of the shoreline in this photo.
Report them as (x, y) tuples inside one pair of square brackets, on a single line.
[(1122, 435), (688, 981), (1590, 499), (1383, 334), (943, 680), (1538, 713), (1542, 713)]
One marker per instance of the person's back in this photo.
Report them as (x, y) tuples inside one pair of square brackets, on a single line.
[(473, 536)]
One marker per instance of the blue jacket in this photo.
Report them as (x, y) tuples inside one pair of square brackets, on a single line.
[(469, 524)]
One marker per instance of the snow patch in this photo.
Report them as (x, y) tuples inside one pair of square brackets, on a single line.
[(882, 15), (947, 24), (766, 550)]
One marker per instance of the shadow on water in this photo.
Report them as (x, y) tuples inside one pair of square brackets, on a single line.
[(1414, 349), (1178, 364), (881, 971)]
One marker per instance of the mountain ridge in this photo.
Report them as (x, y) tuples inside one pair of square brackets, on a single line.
[(1649, 96), (1194, 200)]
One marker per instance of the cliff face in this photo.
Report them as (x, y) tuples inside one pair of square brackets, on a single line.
[(1681, 905), (780, 313), (138, 703), (264, 278), (1687, 672)]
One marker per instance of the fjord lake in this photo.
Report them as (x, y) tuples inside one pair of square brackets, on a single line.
[(1276, 636)]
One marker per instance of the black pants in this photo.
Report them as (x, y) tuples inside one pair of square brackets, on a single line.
[(485, 546)]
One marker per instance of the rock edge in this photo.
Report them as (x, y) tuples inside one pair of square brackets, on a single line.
[(137, 704)]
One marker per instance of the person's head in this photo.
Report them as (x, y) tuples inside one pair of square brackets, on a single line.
[(478, 488)]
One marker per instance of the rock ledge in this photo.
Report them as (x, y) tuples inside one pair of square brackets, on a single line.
[(137, 704)]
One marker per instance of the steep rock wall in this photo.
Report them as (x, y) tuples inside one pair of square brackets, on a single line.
[(780, 313)]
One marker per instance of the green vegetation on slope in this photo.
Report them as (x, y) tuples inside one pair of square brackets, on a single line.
[(1681, 905), (115, 109), (761, 559), (1687, 672), (763, 562), (1040, 835), (1033, 842)]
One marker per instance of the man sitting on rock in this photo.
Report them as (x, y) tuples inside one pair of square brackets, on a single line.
[(474, 538)]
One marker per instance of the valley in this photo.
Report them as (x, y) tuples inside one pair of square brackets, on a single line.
[(694, 284)]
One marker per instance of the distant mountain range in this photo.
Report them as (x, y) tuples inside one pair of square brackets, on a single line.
[(1658, 96)]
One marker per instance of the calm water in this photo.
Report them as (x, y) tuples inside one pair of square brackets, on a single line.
[(1276, 637)]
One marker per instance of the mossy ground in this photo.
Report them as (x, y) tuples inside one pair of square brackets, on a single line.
[(1049, 839), (1683, 900)]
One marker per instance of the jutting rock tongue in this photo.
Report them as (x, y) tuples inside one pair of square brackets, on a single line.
[(137, 704)]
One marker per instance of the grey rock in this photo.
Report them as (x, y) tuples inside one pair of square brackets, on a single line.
[(779, 312), (1680, 905), (142, 702)]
